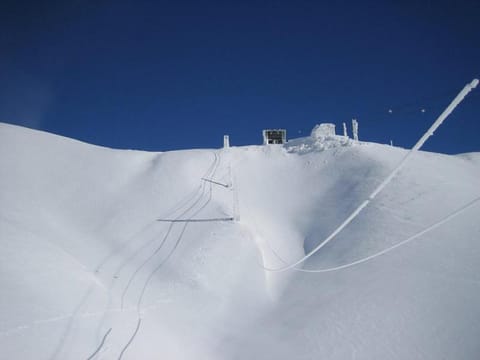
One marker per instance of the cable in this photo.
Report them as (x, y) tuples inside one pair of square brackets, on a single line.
[(197, 220), (461, 95), (387, 250)]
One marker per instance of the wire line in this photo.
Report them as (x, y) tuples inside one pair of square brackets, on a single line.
[(461, 95), (387, 250)]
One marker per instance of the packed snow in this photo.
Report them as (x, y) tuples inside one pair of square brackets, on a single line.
[(87, 270)]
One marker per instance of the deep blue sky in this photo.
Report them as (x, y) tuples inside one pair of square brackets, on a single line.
[(162, 75)]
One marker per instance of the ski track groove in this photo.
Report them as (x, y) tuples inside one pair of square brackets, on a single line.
[(177, 242), (176, 208), (182, 203), (63, 339), (193, 194), (101, 345), (165, 238), (139, 322), (178, 239)]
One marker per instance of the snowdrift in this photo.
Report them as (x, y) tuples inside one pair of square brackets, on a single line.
[(88, 272)]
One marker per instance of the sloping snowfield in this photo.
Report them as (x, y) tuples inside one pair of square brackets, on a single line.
[(88, 272)]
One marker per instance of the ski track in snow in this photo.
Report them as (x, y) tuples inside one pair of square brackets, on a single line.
[(198, 194), (157, 268), (129, 342), (75, 315), (149, 225), (165, 238), (97, 350), (71, 320)]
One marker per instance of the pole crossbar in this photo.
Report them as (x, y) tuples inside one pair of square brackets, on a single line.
[(216, 182), (196, 220)]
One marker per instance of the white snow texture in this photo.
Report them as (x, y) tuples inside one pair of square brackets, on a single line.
[(87, 271)]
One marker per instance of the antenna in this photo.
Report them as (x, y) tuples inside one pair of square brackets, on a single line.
[(355, 129)]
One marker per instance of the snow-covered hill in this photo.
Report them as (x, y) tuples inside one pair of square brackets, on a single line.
[(87, 271)]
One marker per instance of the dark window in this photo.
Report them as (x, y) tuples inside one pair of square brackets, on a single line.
[(275, 137)]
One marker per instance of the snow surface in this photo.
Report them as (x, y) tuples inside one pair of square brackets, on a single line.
[(83, 257)]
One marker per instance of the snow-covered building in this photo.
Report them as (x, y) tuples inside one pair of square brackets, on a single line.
[(323, 131), (274, 136)]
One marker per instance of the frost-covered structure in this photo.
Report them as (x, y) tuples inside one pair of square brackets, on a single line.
[(323, 130), (323, 136), (355, 129)]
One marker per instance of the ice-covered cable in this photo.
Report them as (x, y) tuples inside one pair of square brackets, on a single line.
[(469, 87), (387, 250)]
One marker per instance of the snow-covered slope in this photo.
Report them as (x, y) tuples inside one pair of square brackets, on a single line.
[(87, 271)]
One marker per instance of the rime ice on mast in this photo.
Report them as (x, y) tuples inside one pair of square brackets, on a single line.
[(355, 129)]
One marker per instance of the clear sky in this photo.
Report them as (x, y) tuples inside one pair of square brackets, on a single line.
[(163, 75)]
